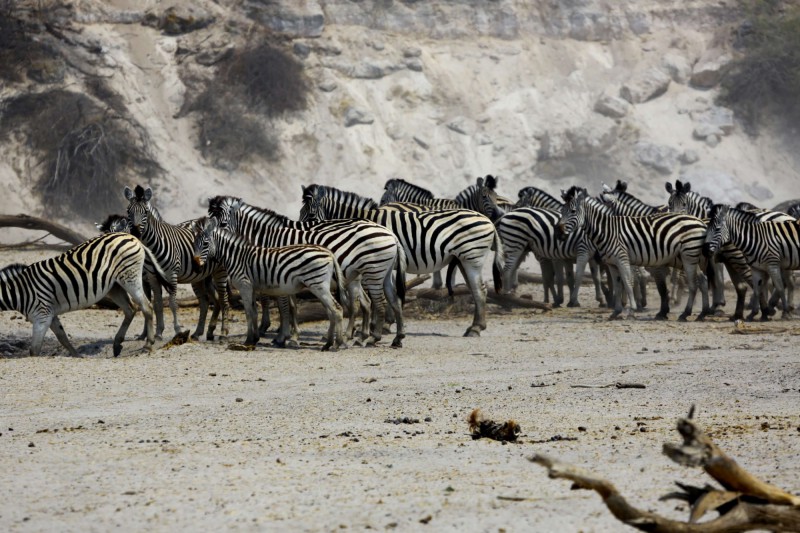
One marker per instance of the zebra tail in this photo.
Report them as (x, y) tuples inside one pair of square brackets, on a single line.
[(400, 273), (451, 272), (499, 262), (341, 293), (151, 264)]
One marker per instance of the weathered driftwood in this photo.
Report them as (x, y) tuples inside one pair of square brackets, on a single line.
[(502, 299), (34, 223), (747, 503)]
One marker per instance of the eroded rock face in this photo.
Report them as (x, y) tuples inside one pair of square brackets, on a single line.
[(295, 19), (664, 159)]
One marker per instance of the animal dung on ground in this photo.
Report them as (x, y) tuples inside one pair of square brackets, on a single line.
[(483, 427), (177, 340), (238, 347)]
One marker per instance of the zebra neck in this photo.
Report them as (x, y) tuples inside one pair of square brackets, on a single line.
[(14, 295)]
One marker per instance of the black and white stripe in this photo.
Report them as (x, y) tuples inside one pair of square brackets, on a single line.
[(173, 247), (368, 254), (430, 239), (483, 198), (398, 190), (656, 241), (769, 248), (283, 271), (109, 265)]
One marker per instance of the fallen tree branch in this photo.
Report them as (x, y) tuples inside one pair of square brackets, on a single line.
[(747, 504), (502, 299), (34, 223)]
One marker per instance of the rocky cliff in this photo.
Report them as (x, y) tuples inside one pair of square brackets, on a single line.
[(539, 93)]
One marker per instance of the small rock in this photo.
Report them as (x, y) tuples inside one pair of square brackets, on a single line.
[(688, 157), (645, 85), (301, 50), (354, 116), (378, 45), (703, 131), (239, 400), (712, 140), (708, 71), (482, 139), (678, 67), (462, 125), (664, 159), (31, 445), (328, 85), (412, 51), (422, 142), (717, 116), (414, 64), (612, 106)]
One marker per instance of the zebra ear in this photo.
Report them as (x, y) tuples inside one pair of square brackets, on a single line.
[(128, 193), (236, 204), (606, 188), (687, 187), (479, 182), (148, 194), (668, 186), (622, 186), (563, 195)]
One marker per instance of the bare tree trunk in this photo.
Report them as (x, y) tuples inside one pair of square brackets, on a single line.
[(34, 223)]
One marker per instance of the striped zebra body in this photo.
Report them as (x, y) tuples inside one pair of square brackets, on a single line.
[(769, 248), (530, 229), (655, 241), (430, 239), (554, 270), (110, 264), (368, 254), (173, 247), (683, 200), (397, 190), (283, 271)]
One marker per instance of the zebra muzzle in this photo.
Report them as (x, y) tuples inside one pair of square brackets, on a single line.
[(197, 264)]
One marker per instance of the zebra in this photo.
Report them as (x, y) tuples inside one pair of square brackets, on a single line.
[(655, 241), (108, 265), (683, 200), (280, 271), (367, 253), (554, 271), (430, 239), (770, 248), (172, 246), (533, 229), (399, 190)]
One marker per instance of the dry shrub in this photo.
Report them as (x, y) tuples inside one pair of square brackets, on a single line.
[(255, 84), (766, 78), (85, 151), (18, 48)]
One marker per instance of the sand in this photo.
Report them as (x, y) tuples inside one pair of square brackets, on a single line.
[(201, 437)]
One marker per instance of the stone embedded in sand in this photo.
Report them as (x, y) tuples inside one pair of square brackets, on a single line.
[(717, 117), (689, 157), (678, 67), (355, 116), (645, 85), (703, 131), (708, 71), (612, 106)]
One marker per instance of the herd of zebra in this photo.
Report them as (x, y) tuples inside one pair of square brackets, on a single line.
[(363, 250)]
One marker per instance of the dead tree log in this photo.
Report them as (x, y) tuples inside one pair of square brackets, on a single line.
[(502, 299), (34, 223), (747, 503)]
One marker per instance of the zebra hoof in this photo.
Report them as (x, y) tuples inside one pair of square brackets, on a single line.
[(397, 342), (573, 304), (682, 317), (117, 350), (660, 316), (472, 332)]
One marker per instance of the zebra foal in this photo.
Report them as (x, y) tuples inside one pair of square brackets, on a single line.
[(109, 265), (274, 272)]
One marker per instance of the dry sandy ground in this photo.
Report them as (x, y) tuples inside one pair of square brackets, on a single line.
[(200, 437)]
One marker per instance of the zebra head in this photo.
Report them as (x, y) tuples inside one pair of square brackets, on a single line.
[(678, 197), (572, 212), (205, 245), (718, 233), (225, 209), (390, 191), (114, 224), (312, 211), (138, 208)]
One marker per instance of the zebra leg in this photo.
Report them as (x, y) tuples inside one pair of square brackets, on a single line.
[(251, 313), (623, 268), (548, 280), (137, 294), (703, 283), (390, 292), (219, 291), (660, 277), (437, 280), (120, 297), (719, 287), (334, 311), (40, 326), (61, 335), (577, 281), (284, 322), (558, 270), (263, 328), (200, 291), (378, 315), (776, 275), (158, 308), (594, 270), (472, 274), (690, 269)]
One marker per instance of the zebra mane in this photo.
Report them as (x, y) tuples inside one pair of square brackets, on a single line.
[(746, 206), (490, 182), (399, 182), (322, 191), (112, 221), (139, 192), (12, 271), (573, 192)]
